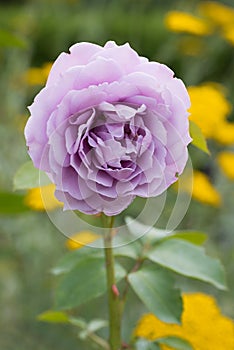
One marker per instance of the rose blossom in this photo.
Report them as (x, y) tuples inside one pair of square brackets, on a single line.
[(109, 126)]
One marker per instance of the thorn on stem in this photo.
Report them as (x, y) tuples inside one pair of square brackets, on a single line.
[(115, 290)]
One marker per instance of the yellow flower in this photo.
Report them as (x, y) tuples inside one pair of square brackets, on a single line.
[(81, 239), (225, 133), (203, 325), (226, 163), (42, 198), (38, 75), (219, 14), (228, 33), (203, 191), (183, 22), (209, 107)]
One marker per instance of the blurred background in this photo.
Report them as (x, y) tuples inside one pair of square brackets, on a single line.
[(196, 40)]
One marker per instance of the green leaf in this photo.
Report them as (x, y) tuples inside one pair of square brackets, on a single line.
[(198, 138), (143, 344), (83, 335), (96, 324), (188, 260), (12, 203), (147, 233), (7, 39), (53, 317), (155, 287), (88, 328), (86, 281), (27, 176), (78, 322), (194, 237), (175, 343), (153, 235), (130, 250), (71, 259)]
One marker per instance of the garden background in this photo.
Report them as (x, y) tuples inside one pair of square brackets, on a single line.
[(32, 34)]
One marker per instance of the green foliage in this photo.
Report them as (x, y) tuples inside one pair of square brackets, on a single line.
[(131, 250), (86, 281), (96, 324), (53, 317), (85, 277), (194, 237), (71, 259), (188, 260), (92, 327), (78, 322), (143, 344), (175, 343), (12, 203), (153, 235), (8, 39), (27, 176), (86, 329), (155, 287), (198, 138), (145, 232)]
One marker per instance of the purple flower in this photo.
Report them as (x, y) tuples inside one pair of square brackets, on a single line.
[(109, 126)]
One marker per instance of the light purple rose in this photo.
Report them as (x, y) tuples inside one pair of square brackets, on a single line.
[(109, 126)]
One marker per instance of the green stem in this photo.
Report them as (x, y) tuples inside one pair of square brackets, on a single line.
[(99, 341), (93, 337), (113, 298)]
